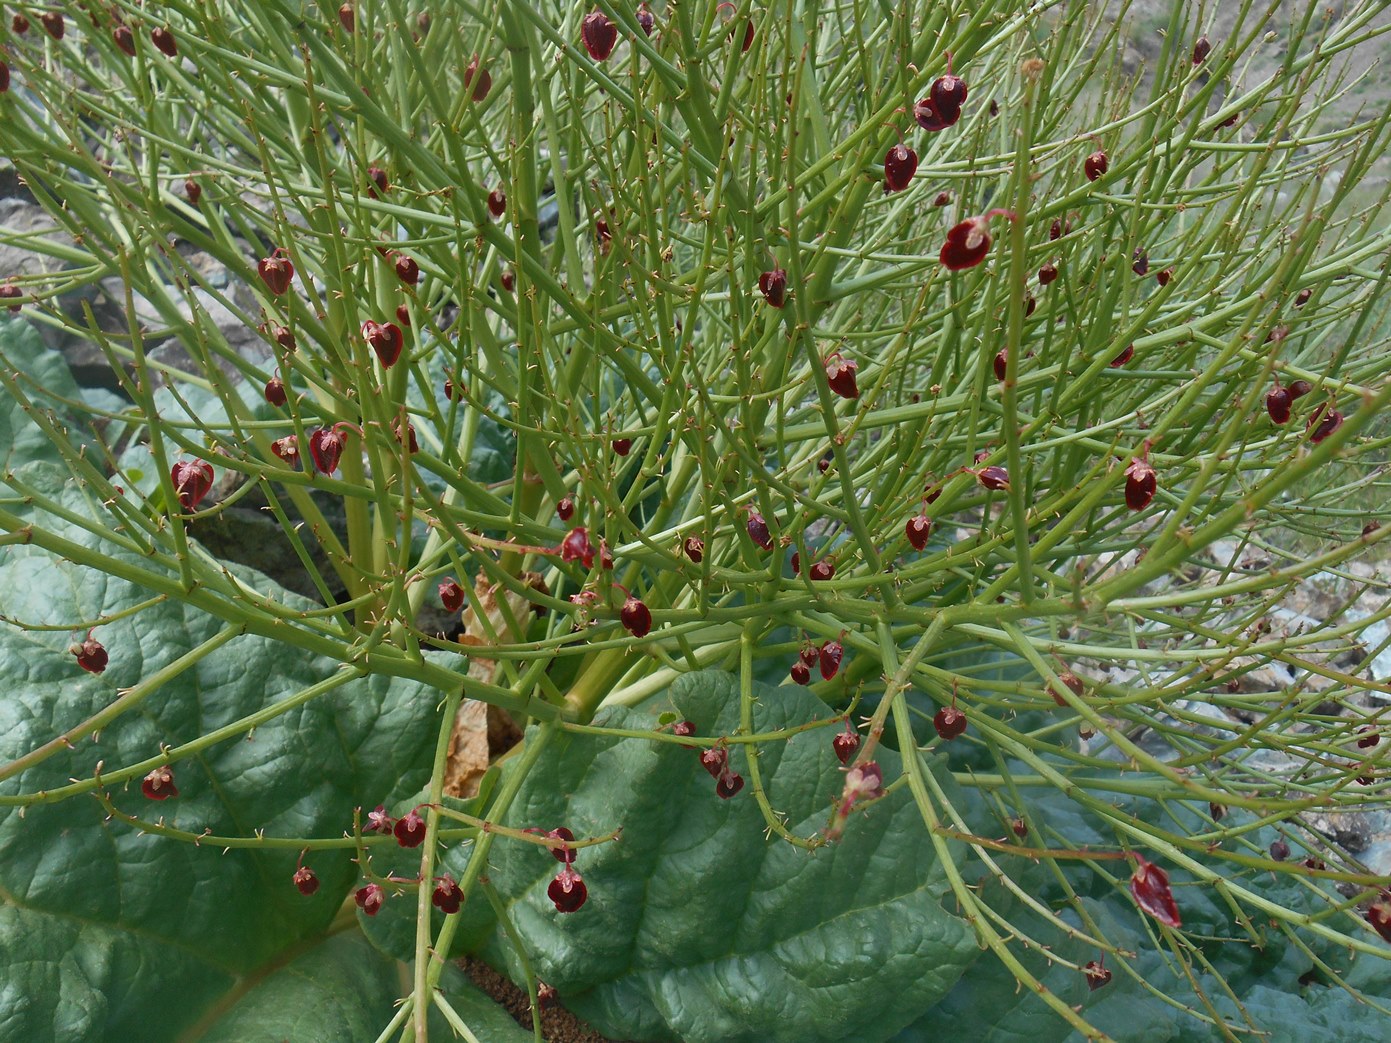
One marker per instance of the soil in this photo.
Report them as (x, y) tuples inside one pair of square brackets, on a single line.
[(558, 1025)]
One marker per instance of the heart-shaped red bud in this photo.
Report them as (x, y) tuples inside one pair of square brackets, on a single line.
[(1055, 230), (758, 531), (1277, 404), (635, 616), (840, 375), (497, 202), (1047, 274), (796, 563), (576, 547), (1315, 863), (1124, 357), (1217, 811), (729, 783), (1299, 388), (1202, 47), (1277, 334), (410, 443), (305, 881), (822, 571), (683, 728), (286, 449), (949, 722), (1140, 484), (1141, 262), (163, 38), (1097, 975), (773, 286), (1279, 850), (1095, 165), (1379, 915), (125, 39), (968, 242), (715, 760), (563, 853), (599, 35), (948, 94), (386, 339), (829, 657), (565, 508), (53, 24), (930, 119), (694, 547), (276, 271), (347, 18), (1001, 364), (808, 654), (899, 166), (409, 829), (622, 446), (20, 25), (1163, 277), (484, 82), (9, 291), (645, 20), (993, 477), (800, 672), (1323, 423), (1019, 828), (407, 270), (403, 315), (1074, 684), (159, 784), (91, 655), (1150, 886), (942, 199), (275, 392), (451, 595), (454, 392), (380, 183), (567, 890), (284, 337), (192, 479), (1367, 737), (918, 529), (845, 744), (1302, 298), (508, 279), (603, 236), (325, 449), (370, 898), (446, 897)]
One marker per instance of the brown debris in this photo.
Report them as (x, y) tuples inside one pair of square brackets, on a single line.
[(558, 1025)]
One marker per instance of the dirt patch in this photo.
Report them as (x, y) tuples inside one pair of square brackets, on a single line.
[(558, 1025)]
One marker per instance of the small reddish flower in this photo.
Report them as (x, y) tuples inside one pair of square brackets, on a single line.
[(1302, 298), (1367, 737), (124, 38), (163, 38), (407, 270), (949, 722), (380, 183), (284, 337), (863, 782), (1140, 484), (497, 202), (276, 271), (564, 853), (1047, 274), (948, 94), (567, 890), (378, 821), (576, 547), (1277, 404), (683, 729), (800, 672), (758, 531), (918, 529), (1124, 357), (925, 112), (968, 242), (1001, 364), (565, 508), (1097, 975), (305, 881), (942, 199), (840, 375), (603, 236), (20, 25), (1279, 850), (484, 83), (325, 449), (773, 286), (1299, 388), (599, 36), (403, 315), (192, 479), (829, 657), (1323, 423), (728, 784), (1074, 685), (9, 291), (645, 20), (694, 547), (446, 897), (347, 18), (286, 449), (91, 655), (451, 595), (410, 442), (715, 760), (508, 279), (1163, 277), (1150, 886), (636, 617), (1055, 230), (1141, 265), (1019, 828), (845, 744), (1095, 165), (900, 165), (1202, 47), (622, 446), (821, 571), (386, 339), (275, 391), (1379, 916), (370, 898), (993, 477), (409, 829), (53, 24), (159, 784)]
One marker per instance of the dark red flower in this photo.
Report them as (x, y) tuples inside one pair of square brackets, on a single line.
[(1367, 737), (1150, 886), (497, 202), (728, 784), (758, 531), (287, 449), (993, 477), (918, 529), (409, 829), (1299, 388), (91, 655), (948, 94), (1095, 165), (1124, 357), (599, 36), (20, 25), (821, 571), (829, 657), (576, 547), (53, 24), (1140, 484), (1379, 916), (715, 760), (645, 20), (1324, 421), (1279, 850), (694, 547), (635, 617), (949, 722), (1141, 265), (451, 595), (773, 285), (1163, 277), (942, 199), (410, 443), (1047, 274), (407, 270), (1302, 298), (163, 38), (845, 744), (275, 391), (192, 479), (9, 291), (899, 166), (378, 821), (1097, 975), (276, 271), (125, 39), (1202, 47), (386, 339), (1277, 404), (159, 784), (284, 337), (347, 18), (485, 79), (446, 897), (305, 881), (370, 898), (968, 242), (622, 446), (930, 119), (564, 853), (325, 449), (863, 782), (800, 672), (840, 375), (380, 183), (567, 890)]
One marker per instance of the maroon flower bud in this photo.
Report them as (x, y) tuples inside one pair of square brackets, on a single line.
[(968, 242), (1047, 274), (645, 20), (1277, 404), (325, 449), (564, 853), (446, 897), (845, 744), (683, 728), (484, 82), (1202, 47), (275, 392), (20, 25), (192, 481), (1163, 277), (728, 784), (565, 508), (758, 531), (899, 166), (942, 199), (1323, 423), (407, 270), (378, 821), (917, 530), (409, 829), (53, 24), (599, 35), (370, 898), (993, 477), (1140, 484), (386, 339), (694, 547), (1299, 388), (949, 722), (346, 18), (9, 291), (1279, 850), (1097, 975), (1019, 828), (829, 658), (378, 177), (635, 617), (284, 337), (603, 236), (930, 119), (1379, 916), (773, 286), (863, 782), (1095, 165), (305, 881), (163, 38), (1001, 364), (1150, 886), (576, 547), (622, 446), (1141, 265), (159, 784), (451, 595), (1055, 230), (1367, 737), (714, 759), (567, 890), (1124, 357), (410, 443), (800, 672), (840, 375), (509, 279), (948, 94), (91, 655), (497, 202), (125, 39), (276, 271), (1074, 685), (822, 571), (287, 449), (1302, 298)]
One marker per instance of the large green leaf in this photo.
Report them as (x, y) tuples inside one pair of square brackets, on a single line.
[(23, 354), (127, 935), (697, 926)]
